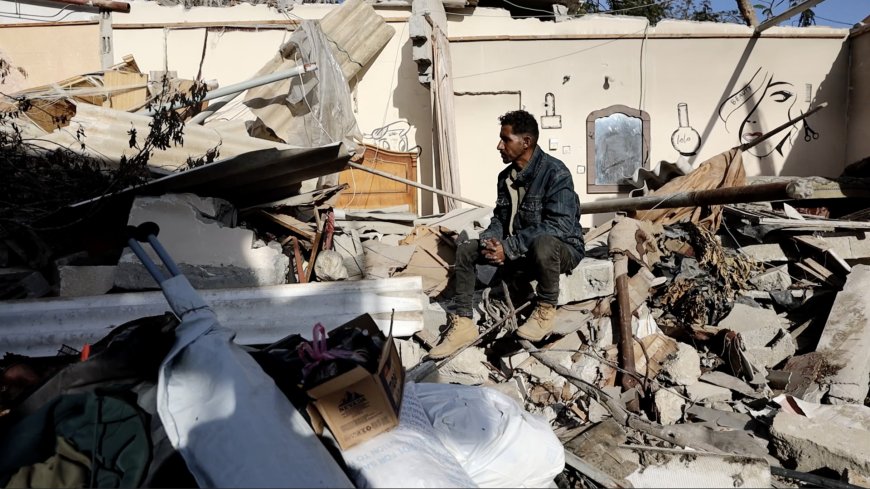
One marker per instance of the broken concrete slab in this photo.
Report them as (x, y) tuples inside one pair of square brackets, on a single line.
[(808, 444), (682, 468), (467, 368), (410, 352), (707, 393), (590, 279), (730, 382), (599, 447), (682, 367), (81, 281), (560, 352), (720, 418), (382, 260), (210, 254), (780, 349), (845, 340), (757, 326), (776, 278), (669, 406)]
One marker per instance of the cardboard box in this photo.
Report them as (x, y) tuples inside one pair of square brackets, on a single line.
[(358, 404)]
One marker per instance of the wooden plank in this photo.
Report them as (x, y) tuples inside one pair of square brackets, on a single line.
[(823, 248), (304, 229), (128, 99), (314, 250), (260, 315), (815, 269), (369, 191)]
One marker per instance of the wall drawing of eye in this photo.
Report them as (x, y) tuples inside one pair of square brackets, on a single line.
[(781, 95)]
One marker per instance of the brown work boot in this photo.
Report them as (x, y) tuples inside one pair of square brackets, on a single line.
[(540, 324), (461, 332)]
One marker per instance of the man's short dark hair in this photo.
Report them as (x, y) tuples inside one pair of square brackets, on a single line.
[(521, 122)]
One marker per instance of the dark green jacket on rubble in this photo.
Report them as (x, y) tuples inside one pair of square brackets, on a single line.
[(549, 206)]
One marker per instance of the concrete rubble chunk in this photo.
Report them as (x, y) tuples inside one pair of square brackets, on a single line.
[(682, 367), (467, 368), (410, 352), (81, 281), (730, 382), (590, 279), (782, 348), (845, 340), (669, 405), (774, 279), (382, 260), (597, 413), (209, 254), (707, 393), (757, 326), (767, 344), (599, 447), (679, 468), (810, 444)]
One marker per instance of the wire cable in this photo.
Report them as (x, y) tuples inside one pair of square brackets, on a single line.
[(550, 14)]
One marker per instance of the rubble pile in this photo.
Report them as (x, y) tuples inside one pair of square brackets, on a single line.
[(709, 345)]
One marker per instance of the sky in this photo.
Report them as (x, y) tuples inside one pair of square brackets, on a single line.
[(832, 13)]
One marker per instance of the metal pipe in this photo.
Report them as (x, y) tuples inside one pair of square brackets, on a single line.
[(626, 343), (774, 131), (791, 12), (122, 7), (212, 108), (414, 184), (766, 192), (245, 85)]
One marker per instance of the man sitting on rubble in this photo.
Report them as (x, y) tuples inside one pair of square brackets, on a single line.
[(535, 233)]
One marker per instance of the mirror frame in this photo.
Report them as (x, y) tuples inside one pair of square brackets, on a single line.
[(591, 172)]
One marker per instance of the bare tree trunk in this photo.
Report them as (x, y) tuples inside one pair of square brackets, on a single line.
[(747, 11)]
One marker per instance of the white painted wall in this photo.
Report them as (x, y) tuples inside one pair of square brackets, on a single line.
[(652, 68), (858, 146), (674, 63)]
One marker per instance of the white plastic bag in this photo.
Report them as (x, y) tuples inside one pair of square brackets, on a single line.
[(497, 442), (410, 455)]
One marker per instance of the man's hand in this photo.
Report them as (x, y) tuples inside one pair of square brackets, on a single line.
[(493, 251)]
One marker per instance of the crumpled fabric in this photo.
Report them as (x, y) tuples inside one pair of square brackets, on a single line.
[(108, 428), (66, 468), (720, 171)]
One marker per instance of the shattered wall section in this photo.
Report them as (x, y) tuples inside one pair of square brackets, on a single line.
[(210, 253)]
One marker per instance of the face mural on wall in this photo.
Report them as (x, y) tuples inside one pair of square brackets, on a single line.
[(393, 136), (761, 105)]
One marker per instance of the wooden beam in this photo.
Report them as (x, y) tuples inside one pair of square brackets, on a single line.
[(110, 5), (415, 184)]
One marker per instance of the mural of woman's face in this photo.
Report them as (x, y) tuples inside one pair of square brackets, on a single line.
[(774, 107)]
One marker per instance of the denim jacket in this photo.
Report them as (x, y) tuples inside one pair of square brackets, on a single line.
[(550, 206)]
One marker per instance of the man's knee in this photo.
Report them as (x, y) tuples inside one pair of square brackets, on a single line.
[(468, 252), (545, 249)]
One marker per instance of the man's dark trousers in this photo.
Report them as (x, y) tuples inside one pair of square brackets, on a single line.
[(546, 259)]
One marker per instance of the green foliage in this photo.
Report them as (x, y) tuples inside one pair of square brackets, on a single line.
[(37, 183), (770, 8)]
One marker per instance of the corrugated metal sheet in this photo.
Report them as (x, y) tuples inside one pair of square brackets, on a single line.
[(259, 315), (251, 178)]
